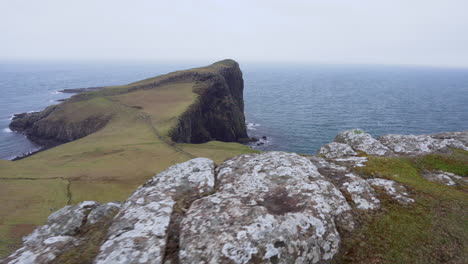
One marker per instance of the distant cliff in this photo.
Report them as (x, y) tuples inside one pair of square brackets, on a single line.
[(216, 114)]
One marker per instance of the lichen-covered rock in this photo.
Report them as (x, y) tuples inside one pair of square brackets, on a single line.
[(273, 207), (361, 141), (46, 242), (395, 190), (420, 144), (336, 150), (101, 211), (360, 193), (64, 222), (42, 252), (444, 177), (140, 230)]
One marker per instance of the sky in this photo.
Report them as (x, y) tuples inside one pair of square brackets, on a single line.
[(415, 32)]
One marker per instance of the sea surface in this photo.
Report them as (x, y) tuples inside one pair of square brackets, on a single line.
[(297, 107)]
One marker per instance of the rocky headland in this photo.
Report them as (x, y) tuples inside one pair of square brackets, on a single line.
[(216, 114), (272, 207)]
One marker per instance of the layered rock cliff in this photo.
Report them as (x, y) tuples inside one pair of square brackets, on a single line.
[(216, 114), (273, 207)]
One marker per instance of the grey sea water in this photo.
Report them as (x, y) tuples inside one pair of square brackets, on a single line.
[(297, 107)]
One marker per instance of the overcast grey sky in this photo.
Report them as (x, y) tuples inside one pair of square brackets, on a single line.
[(427, 32)]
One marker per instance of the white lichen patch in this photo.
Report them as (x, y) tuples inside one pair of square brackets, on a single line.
[(273, 206), (140, 229), (362, 195), (352, 161), (395, 190)]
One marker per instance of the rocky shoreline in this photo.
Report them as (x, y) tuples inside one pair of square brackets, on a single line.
[(273, 207)]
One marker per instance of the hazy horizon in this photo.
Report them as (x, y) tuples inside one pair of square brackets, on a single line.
[(409, 33)]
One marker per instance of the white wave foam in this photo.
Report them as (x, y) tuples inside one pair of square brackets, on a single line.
[(7, 130), (252, 126), (56, 92)]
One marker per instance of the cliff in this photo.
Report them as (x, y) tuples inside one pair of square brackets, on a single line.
[(361, 200), (216, 114)]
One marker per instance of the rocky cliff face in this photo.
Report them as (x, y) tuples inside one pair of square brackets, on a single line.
[(273, 207), (48, 131), (217, 114)]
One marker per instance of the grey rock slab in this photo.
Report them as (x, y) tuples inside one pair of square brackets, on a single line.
[(46, 242), (271, 207), (362, 141), (336, 150), (102, 211), (139, 231), (42, 252), (64, 222), (393, 189), (420, 144)]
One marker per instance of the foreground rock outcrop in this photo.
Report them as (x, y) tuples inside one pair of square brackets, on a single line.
[(273, 207)]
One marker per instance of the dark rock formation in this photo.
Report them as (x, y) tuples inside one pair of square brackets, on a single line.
[(81, 90), (49, 130), (218, 113)]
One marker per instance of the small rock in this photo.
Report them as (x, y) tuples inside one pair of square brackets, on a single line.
[(444, 177), (395, 190)]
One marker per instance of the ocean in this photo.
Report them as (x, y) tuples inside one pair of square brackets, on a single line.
[(298, 108)]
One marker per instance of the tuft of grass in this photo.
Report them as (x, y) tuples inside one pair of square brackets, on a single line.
[(456, 163), (432, 230)]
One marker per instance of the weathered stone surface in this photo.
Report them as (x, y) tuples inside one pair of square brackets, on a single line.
[(420, 144), (444, 177), (361, 141), (103, 210), (273, 207), (140, 230), (42, 252), (336, 150), (395, 190), (358, 191), (64, 222), (46, 242)]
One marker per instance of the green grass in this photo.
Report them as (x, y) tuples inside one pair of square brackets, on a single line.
[(432, 230), (455, 163)]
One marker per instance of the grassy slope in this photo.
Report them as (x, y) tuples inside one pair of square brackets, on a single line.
[(433, 230), (105, 166)]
